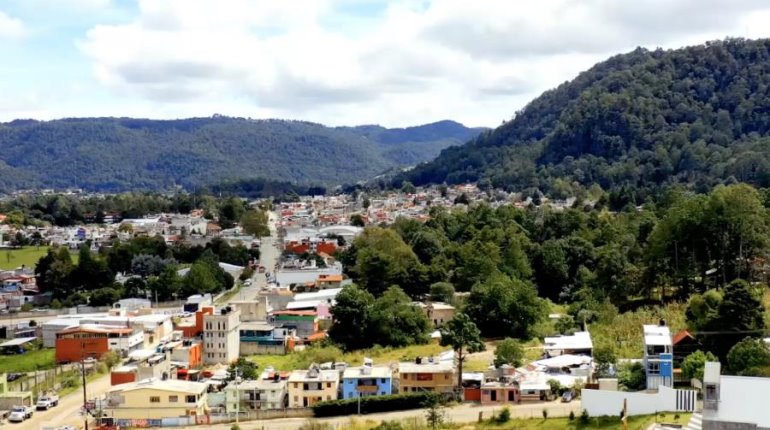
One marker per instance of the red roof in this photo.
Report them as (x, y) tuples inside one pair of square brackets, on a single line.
[(682, 335)]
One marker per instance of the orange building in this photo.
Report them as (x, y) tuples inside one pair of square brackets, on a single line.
[(85, 341), (190, 353)]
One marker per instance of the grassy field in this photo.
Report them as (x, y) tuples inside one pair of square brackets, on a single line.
[(28, 362), (303, 359), (27, 256)]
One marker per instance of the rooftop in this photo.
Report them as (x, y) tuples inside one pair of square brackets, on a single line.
[(323, 375), (656, 334), (435, 367), (579, 340), (376, 372), (174, 385)]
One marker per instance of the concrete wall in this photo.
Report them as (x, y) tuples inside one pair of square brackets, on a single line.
[(252, 348), (726, 425), (601, 402)]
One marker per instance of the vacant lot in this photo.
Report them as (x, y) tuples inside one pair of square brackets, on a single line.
[(27, 256), (28, 362)]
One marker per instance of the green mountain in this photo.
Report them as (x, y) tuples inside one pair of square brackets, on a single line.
[(116, 154), (634, 123)]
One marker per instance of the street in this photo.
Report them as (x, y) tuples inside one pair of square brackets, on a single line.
[(269, 254)]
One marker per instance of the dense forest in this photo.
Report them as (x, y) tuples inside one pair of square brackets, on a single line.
[(119, 154), (706, 250), (697, 116)]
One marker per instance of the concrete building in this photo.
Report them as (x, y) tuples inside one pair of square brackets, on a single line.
[(262, 338), (13, 398), (426, 375), (132, 304), (367, 380), (253, 310), (579, 343), (734, 402), (89, 340), (187, 354), (220, 336), (142, 364), (154, 399), (268, 392), (308, 387), (438, 313), (658, 356)]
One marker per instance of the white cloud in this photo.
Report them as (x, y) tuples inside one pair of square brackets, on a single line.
[(10, 27), (410, 62)]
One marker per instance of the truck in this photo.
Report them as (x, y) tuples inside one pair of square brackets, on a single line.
[(20, 413), (47, 401)]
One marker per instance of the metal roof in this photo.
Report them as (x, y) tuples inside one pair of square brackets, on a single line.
[(18, 341)]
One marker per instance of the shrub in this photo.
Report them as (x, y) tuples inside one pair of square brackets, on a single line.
[(504, 416), (584, 417), (373, 404), (388, 425), (572, 415), (235, 427), (545, 413)]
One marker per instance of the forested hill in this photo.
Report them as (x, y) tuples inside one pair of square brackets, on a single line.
[(697, 116), (115, 154)]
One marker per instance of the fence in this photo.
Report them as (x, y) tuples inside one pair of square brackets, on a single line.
[(605, 402), (213, 419)]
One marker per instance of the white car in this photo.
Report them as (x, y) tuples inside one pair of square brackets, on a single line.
[(20, 413)]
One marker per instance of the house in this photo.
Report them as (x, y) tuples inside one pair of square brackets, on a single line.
[(304, 322), (308, 387), (142, 364), (155, 399), (367, 380), (12, 398), (684, 344), (92, 340), (262, 338), (253, 310), (500, 392), (188, 354), (578, 343), (220, 336), (734, 402), (132, 304), (658, 356), (438, 313), (326, 281), (427, 375), (268, 392)]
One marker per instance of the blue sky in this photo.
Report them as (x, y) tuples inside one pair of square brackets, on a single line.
[(396, 63)]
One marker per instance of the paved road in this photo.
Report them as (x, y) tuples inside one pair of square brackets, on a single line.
[(68, 411), (465, 413), (269, 253)]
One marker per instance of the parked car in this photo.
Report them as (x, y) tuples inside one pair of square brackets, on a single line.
[(14, 376), (567, 396), (20, 413), (47, 402)]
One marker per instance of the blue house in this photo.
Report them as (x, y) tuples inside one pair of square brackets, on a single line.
[(658, 356), (367, 380)]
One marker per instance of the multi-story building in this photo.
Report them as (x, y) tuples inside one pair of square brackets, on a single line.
[(90, 340), (308, 387), (367, 380), (220, 336), (154, 399), (658, 356), (578, 343), (734, 402), (263, 338), (253, 310), (427, 375), (268, 392)]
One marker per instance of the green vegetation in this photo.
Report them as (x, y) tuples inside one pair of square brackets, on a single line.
[(634, 423), (116, 154), (630, 125), (462, 335), (27, 256), (37, 359), (373, 404), (303, 359)]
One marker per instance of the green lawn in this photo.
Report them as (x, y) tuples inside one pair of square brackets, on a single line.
[(634, 423), (303, 359), (28, 256), (29, 361)]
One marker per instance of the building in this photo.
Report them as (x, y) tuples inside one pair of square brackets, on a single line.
[(438, 313), (304, 322), (90, 340), (367, 380), (187, 354), (576, 344), (263, 338), (734, 402), (253, 310), (268, 392), (427, 375), (132, 304), (308, 387), (220, 336), (13, 398), (658, 356), (154, 399), (501, 392), (143, 364)]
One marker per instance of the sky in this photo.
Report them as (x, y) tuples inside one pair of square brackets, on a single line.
[(336, 62)]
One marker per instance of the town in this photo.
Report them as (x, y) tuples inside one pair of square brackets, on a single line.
[(257, 350)]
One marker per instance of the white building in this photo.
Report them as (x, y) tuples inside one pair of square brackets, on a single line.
[(734, 402), (658, 356), (221, 342), (268, 392), (578, 344)]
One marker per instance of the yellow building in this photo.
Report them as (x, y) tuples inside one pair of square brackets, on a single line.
[(307, 387), (424, 375), (154, 399)]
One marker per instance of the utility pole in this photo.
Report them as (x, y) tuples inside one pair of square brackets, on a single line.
[(237, 398)]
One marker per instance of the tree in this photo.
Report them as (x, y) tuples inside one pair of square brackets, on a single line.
[(247, 370), (254, 222), (104, 296), (395, 321), (740, 313), (146, 265), (442, 292), (464, 337), (748, 357), (230, 211), (357, 220), (604, 359), (693, 364), (350, 315), (631, 376), (565, 324), (92, 272), (502, 306), (510, 352), (199, 280), (434, 412)]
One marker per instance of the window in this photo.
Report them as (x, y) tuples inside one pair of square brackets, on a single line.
[(173, 399), (154, 399), (383, 381), (653, 368), (328, 385), (191, 399)]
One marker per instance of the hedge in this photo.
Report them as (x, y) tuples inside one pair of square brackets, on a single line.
[(373, 404)]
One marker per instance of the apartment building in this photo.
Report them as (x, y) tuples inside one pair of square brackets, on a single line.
[(307, 387), (427, 375), (221, 341)]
